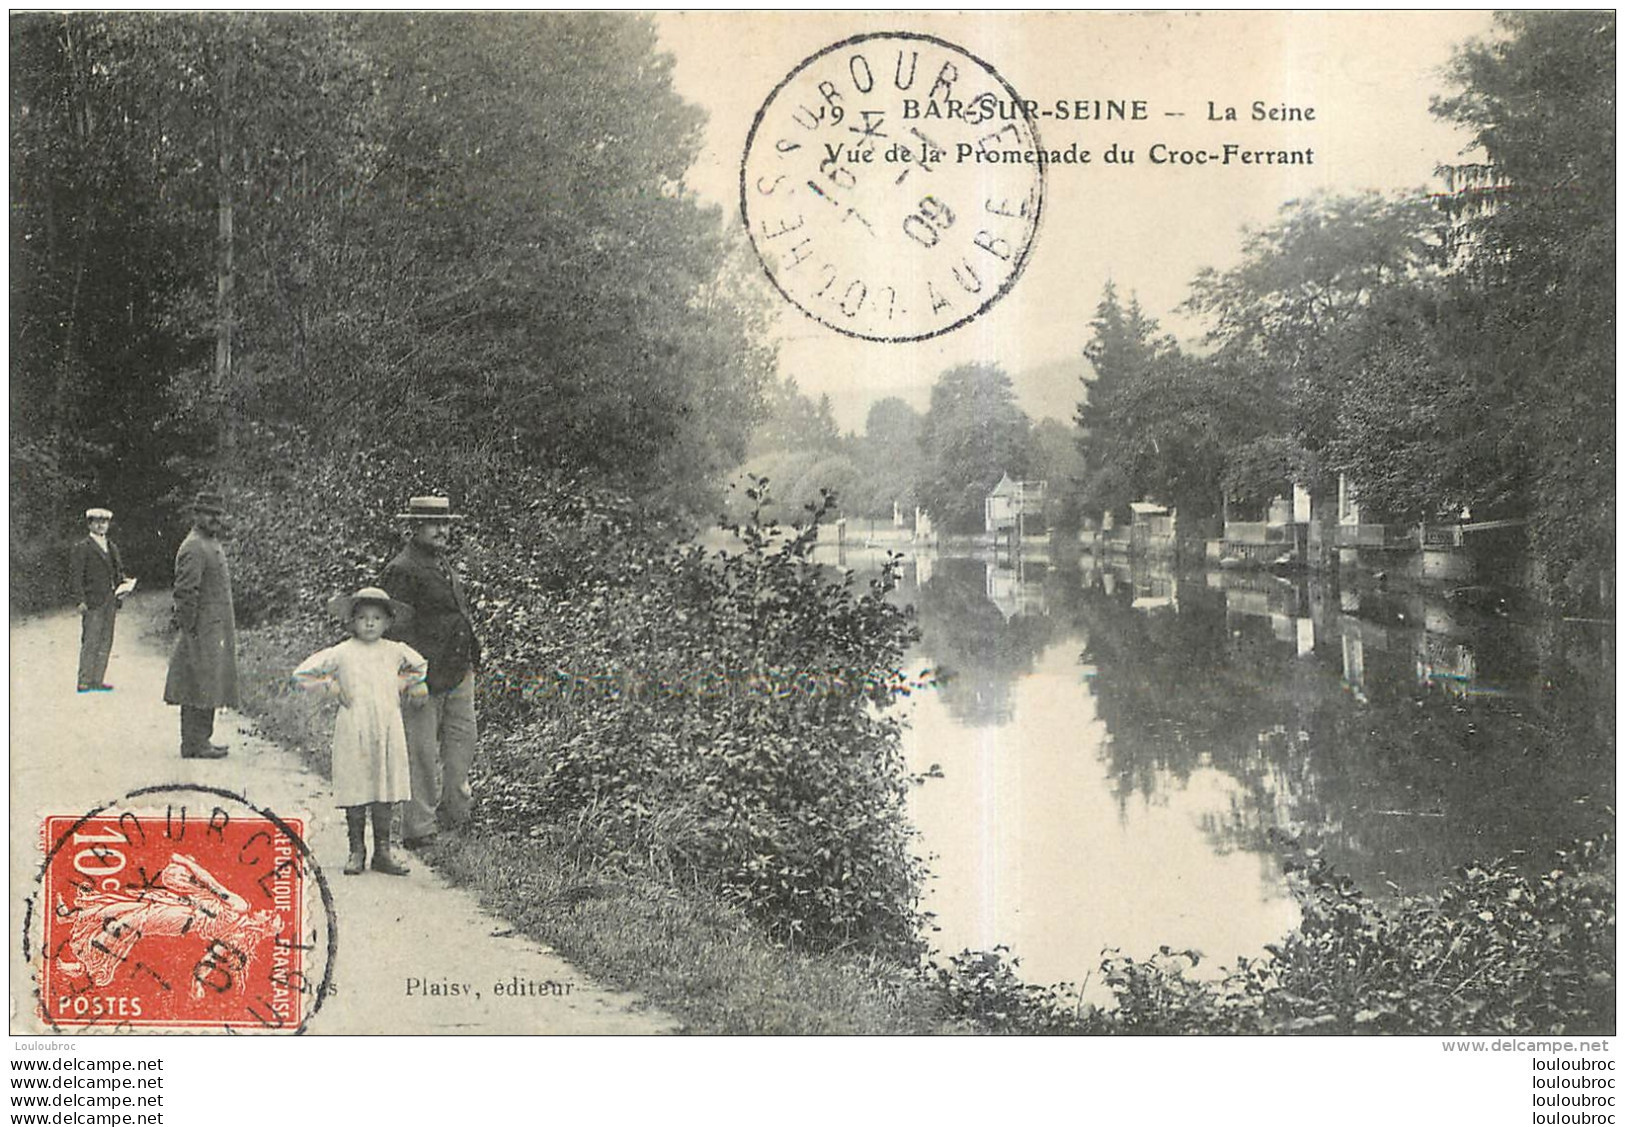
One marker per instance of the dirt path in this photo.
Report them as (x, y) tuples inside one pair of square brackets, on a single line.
[(71, 752)]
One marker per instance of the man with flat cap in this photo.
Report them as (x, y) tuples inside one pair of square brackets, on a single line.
[(95, 571), (203, 666), (441, 732)]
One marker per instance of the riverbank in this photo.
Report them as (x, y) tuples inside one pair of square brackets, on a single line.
[(673, 942), (690, 779), (1492, 952)]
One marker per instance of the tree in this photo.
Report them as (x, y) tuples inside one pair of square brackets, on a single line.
[(1416, 430), (799, 448), (792, 420), (889, 459), (467, 235), (1282, 317), (1125, 344), (1316, 267), (1536, 229), (132, 136), (1157, 424), (973, 434), (1176, 428), (1057, 460), (542, 262)]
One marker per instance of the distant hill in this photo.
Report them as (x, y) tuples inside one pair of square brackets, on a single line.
[(1051, 390), (1046, 391)]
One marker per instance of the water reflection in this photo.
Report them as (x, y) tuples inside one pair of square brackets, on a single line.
[(987, 625), (1117, 744)]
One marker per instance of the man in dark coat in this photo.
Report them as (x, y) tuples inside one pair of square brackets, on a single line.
[(441, 732), (95, 571), (203, 666)]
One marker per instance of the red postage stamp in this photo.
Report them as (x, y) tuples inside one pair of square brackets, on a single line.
[(174, 917)]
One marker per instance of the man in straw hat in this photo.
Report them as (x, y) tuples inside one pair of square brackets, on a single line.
[(95, 571), (441, 734), (203, 666)]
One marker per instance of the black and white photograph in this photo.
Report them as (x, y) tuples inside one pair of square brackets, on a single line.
[(840, 525)]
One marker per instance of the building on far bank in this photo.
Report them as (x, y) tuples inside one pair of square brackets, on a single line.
[(1012, 505)]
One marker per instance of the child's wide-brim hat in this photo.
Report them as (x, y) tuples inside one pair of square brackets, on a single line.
[(342, 607), (209, 503), (429, 508)]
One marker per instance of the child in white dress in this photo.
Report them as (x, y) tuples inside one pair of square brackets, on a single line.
[(368, 673)]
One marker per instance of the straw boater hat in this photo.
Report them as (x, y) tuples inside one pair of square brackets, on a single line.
[(342, 607), (98, 514), (429, 508)]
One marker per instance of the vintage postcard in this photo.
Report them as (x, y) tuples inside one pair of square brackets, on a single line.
[(813, 523)]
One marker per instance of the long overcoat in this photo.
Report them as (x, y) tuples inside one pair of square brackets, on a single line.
[(203, 666)]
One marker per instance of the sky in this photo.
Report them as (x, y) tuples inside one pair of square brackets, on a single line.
[(1146, 228)]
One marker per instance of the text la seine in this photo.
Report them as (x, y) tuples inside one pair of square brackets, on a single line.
[(987, 107)]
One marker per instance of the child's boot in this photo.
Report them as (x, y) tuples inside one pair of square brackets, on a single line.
[(355, 818), (382, 859)]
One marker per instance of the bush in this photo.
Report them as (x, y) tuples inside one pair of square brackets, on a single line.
[(718, 717), (1494, 952), (982, 989), (722, 717), (39, 570)]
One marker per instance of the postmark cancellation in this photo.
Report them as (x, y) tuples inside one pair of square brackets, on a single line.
[(876, 217)]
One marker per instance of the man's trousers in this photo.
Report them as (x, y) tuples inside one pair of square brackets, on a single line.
[(95, 643), (197, 729), (440, 739)]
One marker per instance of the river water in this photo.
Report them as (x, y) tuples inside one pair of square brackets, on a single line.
[(1117, 745)]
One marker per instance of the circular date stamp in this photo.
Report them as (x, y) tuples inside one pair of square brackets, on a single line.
[(885, 194), (178, 908)]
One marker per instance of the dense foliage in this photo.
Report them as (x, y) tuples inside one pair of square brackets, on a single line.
[(715, 717), (1450, 353), (943, 461), (468, 233), (799, 446), (1124, 346), (722, 717), (1493, 953), (1538, 238), (329, 261), (973, 434), (1298, 330)]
